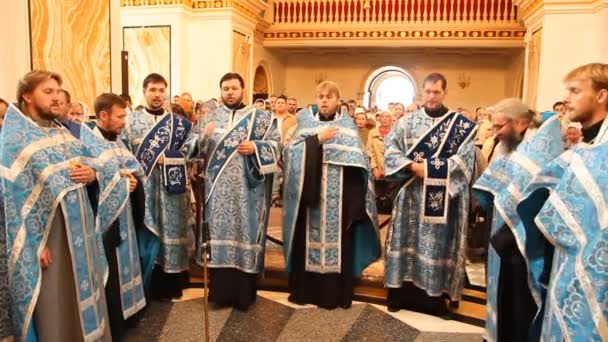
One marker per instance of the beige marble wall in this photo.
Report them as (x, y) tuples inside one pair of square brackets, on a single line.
[(489, 73), (149, 51), (72, 38), (533, 51), (274, 63), (241, 55)]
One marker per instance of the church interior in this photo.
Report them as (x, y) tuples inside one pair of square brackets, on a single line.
[(377, 51)]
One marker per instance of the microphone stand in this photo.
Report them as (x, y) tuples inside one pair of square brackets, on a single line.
[(202, 228)]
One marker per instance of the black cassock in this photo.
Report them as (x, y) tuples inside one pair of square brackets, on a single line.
[(336, 289)]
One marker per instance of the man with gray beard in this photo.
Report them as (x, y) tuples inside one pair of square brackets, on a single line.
[(521, 151)]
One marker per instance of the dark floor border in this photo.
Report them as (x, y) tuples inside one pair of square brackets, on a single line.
[(475, 287), (473, 299)]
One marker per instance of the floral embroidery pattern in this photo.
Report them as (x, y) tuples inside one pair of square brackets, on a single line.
[(437, 163), (437, 136), (574, 305), (461, 132), (435, 200), (418, 156), (261, 126), (599, 259), (175, 176), (236, 137), (146, 156), (266, 153)]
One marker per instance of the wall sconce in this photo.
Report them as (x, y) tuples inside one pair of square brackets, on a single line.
[(464, 81), (366, 5), (320, 78)]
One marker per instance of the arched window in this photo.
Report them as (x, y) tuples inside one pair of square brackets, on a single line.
[(389, 84), (261, 83)]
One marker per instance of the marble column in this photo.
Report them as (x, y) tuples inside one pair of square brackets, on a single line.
[(206, 43), (573, 34), (15, 38), (72, 38)]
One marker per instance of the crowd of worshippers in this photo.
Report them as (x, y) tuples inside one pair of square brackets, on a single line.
[(96, 216)]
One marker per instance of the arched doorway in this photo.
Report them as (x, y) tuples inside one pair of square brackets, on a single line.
[(261, 83), (389, 84)]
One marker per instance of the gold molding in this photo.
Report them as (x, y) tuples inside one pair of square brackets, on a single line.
[(517, 34), (527, 8), (251, 9), (134, 3), (205, 4)]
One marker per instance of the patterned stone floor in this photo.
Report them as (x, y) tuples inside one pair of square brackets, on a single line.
[(272, 318)]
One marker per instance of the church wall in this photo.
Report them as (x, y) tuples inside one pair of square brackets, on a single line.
[(149, 51), (489, 74), (515, 74), (201, 48), (178, 38), (564, 48), (72, 38), (209, 51), (15, 38), (274, 63), (602, 28)]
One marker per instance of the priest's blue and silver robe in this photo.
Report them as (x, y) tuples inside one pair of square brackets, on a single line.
[(427, 239), (127, 253), (6, 326), (323, 246), (36, 187), (168, 207), (574, 219), (500, 187), (562, 202), (237, 187)]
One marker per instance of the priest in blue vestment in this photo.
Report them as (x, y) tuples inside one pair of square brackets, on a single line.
[(159, 141), (56, 262), (511, 290), (566, 204), (330, 230), (431, 152), (241, 145), (124, 285)]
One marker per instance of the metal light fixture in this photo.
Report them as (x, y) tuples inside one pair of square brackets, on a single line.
[(464, 80)]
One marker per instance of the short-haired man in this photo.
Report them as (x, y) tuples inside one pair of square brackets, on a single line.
[(187, 105), (160, 140), (570, 217), (272, 100), (241, 145), (128, 101), (292, 105), (330, 229), (286, 123), (124, 288), (77, 112), (560, 108), (65, 104), (431, 152)]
